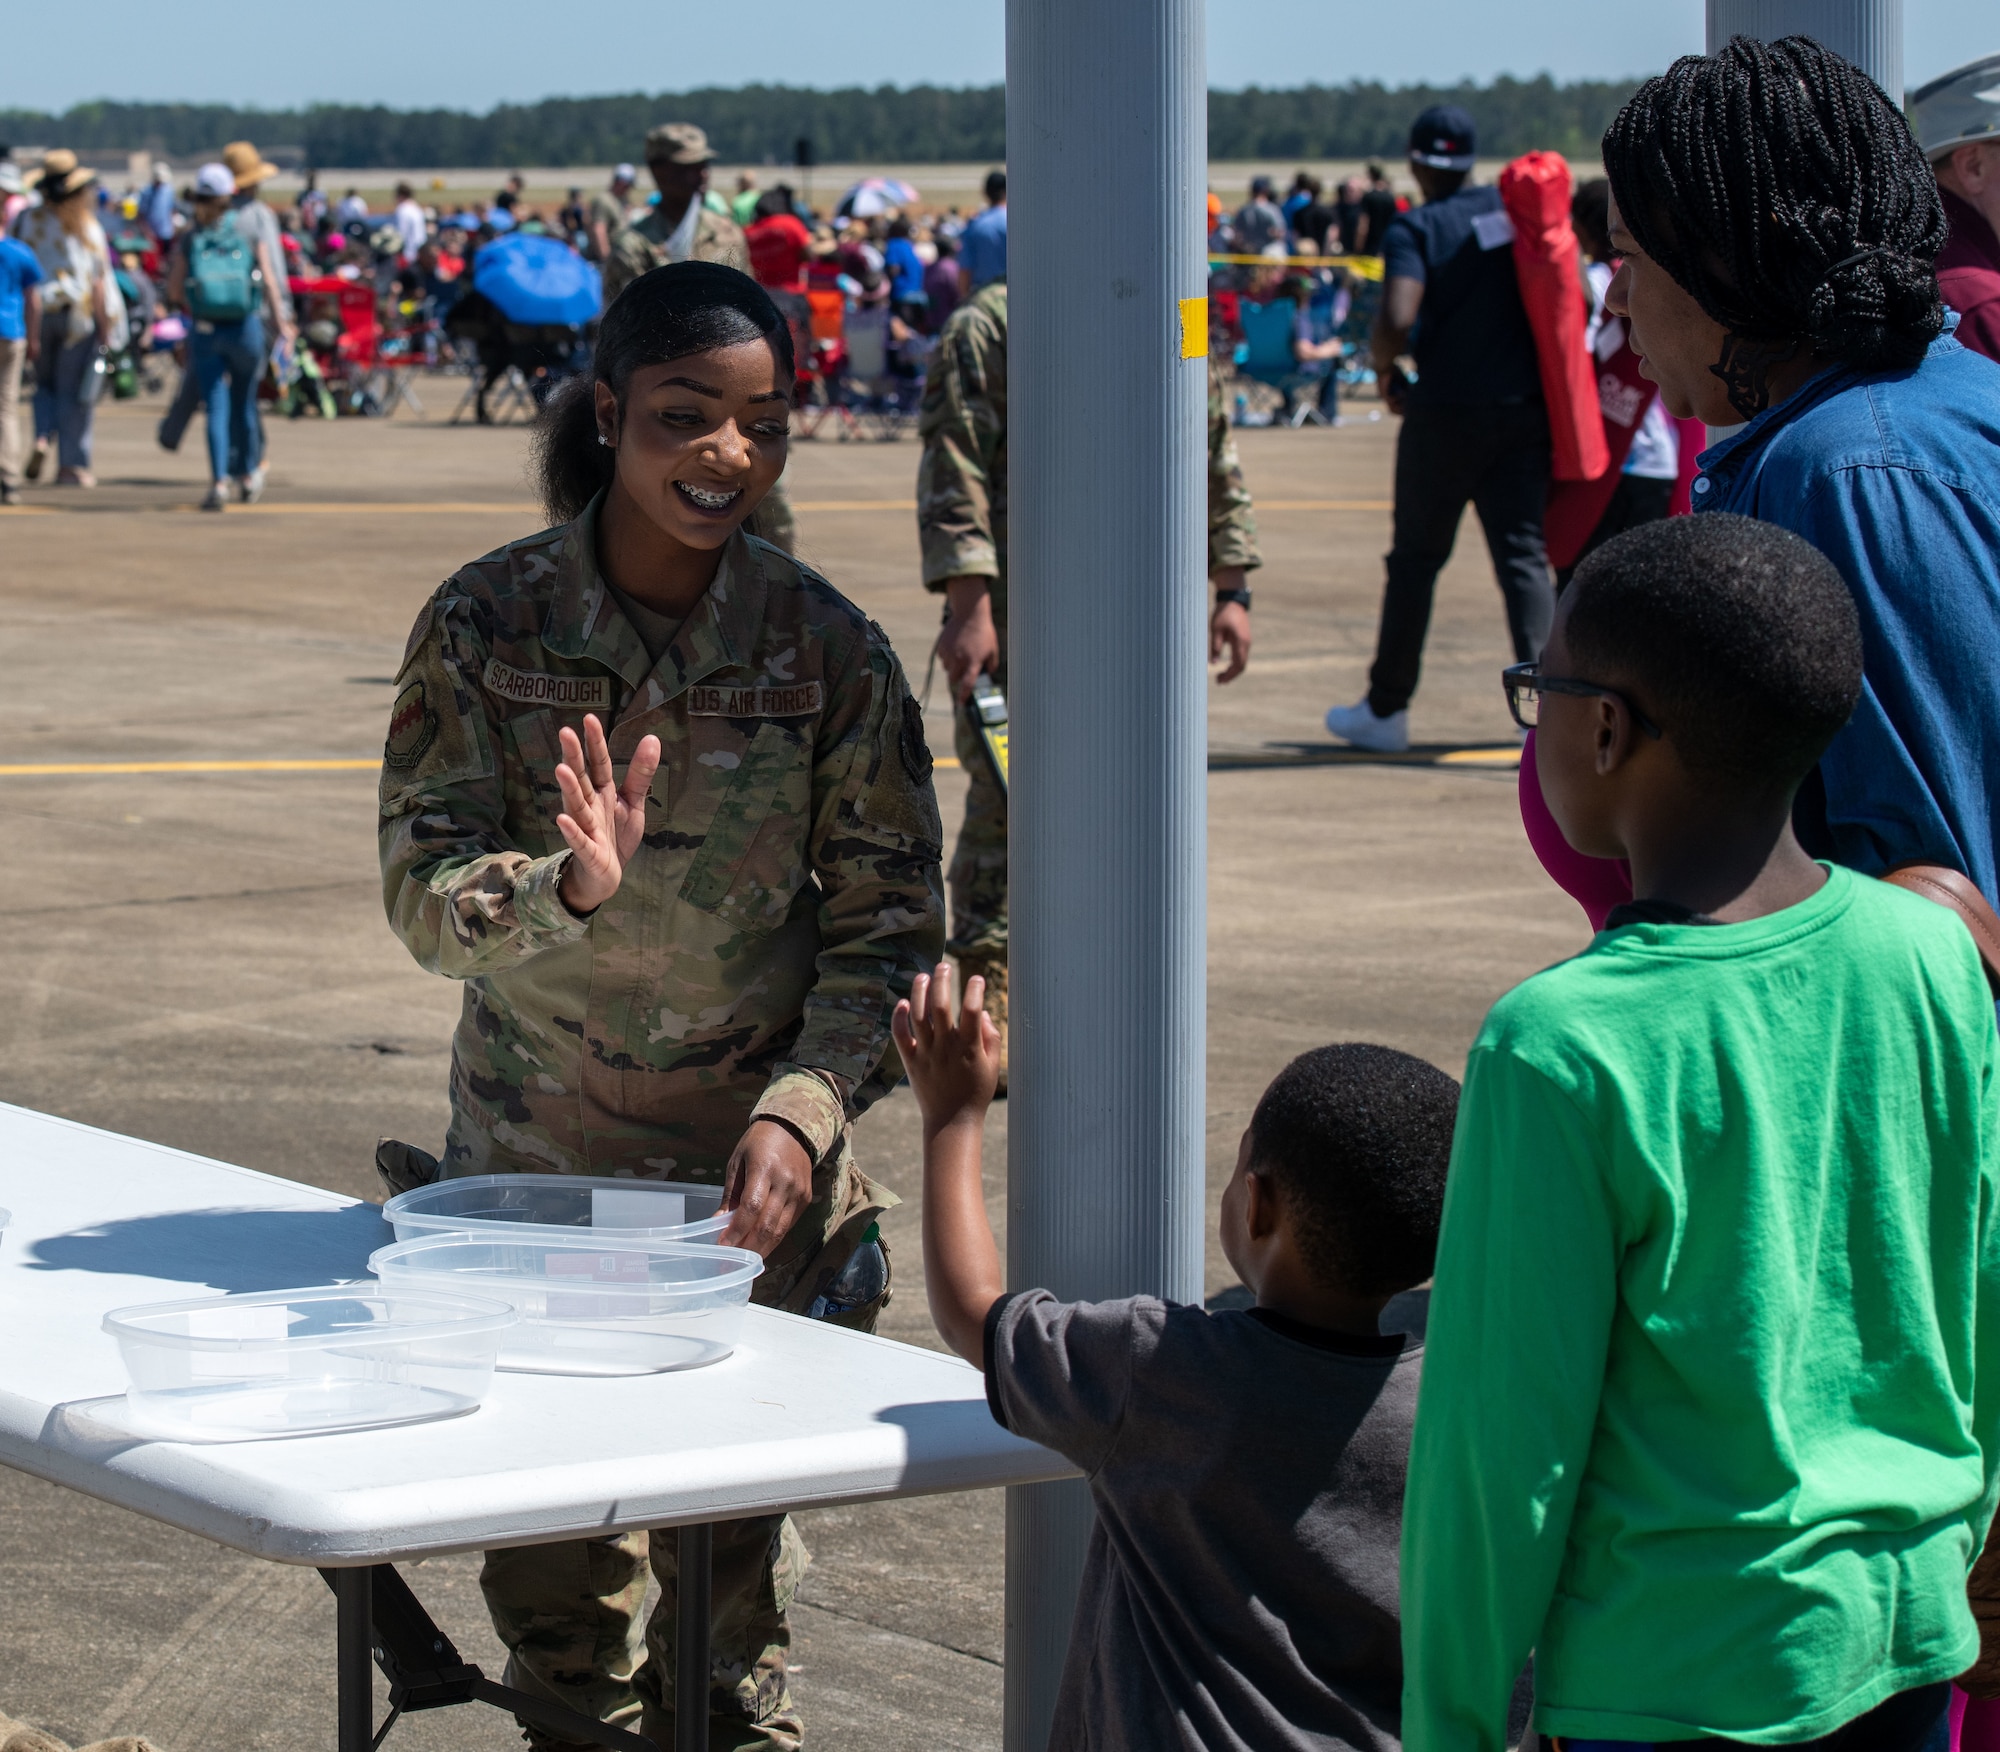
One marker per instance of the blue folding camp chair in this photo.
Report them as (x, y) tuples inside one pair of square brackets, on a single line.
[(1267, 358)]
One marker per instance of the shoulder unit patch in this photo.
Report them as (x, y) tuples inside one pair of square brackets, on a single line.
[(413, 727)]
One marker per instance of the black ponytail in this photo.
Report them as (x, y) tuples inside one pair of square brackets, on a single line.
[(1777, 185), (670, 313)]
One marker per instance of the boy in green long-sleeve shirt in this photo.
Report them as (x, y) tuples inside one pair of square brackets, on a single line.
[(1711, 1407)]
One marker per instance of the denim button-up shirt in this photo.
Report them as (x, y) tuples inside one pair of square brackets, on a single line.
[(1895, 477)]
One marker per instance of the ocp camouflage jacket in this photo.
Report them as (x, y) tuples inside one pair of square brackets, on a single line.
[(641, 246), (962, 478), (786, 892)]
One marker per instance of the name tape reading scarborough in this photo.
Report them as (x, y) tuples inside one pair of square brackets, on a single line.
[(531, 688)]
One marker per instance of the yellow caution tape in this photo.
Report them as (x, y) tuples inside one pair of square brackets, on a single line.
[(1364, 267)]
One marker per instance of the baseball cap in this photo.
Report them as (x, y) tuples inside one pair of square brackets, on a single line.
[(677, 143), (1444, 138), (1959, 107), (217, 182), (623, 173)]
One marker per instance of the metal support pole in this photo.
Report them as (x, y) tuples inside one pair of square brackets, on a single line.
[(1868, 32), (354, 1657), (1107, 402), (693, 1581)]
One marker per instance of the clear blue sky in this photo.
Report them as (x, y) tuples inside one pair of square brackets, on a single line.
[(471, 54)]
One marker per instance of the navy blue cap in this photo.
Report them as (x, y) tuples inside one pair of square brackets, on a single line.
[(1444, 138)]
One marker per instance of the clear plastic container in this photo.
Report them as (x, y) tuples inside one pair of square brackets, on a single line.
[(303, 1362), (496, 1205), (631, 1306)]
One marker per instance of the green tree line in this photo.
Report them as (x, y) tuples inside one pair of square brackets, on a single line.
[(758, 123)]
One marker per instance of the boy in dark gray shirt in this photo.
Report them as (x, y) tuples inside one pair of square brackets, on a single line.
[(1240, 1592)]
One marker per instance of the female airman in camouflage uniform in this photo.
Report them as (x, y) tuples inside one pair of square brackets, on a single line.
[(689, 973)]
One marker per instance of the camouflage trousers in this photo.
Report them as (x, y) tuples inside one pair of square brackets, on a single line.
[(569, 1612), (977, 879)]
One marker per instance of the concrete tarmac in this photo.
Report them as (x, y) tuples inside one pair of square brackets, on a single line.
[(201, 960)]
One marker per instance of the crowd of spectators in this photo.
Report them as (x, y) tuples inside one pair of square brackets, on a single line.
[(357, 282)]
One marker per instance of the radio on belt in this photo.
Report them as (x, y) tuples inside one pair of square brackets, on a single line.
[(987, 708)]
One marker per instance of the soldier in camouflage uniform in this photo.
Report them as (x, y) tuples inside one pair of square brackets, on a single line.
[(678, 155), (962, 522), (778, 897)]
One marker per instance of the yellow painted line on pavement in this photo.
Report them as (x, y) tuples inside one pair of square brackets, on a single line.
[(405, 508), (94, 769), (374, 508), (504, 508), (81, 769), (1321, 504), (1481, 757)]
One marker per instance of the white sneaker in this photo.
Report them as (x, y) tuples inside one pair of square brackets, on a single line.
[(216, 499), (251, 486), (1358, 725)]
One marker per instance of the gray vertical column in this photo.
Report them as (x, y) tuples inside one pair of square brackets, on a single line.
[(1107, 176), (1868, 32)]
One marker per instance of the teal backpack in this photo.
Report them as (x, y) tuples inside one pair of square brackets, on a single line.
[(222, 277)]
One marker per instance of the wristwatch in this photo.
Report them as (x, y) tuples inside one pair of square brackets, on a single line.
[(1238, 593)]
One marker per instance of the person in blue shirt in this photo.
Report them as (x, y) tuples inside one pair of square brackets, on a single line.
[(982, 249), (157, 205), (1474, 424), (906, 273), (1810, 317), (20, 333)]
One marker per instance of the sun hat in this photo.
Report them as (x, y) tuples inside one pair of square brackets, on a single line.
[(1444, 138), (1958, 108), (246, 164), (214, 182), (677, 143), (60, 176)]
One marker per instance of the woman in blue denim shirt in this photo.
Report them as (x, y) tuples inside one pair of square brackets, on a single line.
[(1778, 225)]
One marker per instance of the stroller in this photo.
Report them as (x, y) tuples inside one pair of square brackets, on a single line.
[(342, 334), (525, 319)]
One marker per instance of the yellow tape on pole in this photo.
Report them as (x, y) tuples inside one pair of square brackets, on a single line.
[(1194, 328)]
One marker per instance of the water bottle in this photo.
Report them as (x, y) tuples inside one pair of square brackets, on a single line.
[(860, 1281), (1242, 415)]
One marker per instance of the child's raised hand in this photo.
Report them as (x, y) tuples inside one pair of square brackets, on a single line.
[(954, 1064)]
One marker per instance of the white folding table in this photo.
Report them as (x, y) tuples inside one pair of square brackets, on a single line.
[(802, 1413)]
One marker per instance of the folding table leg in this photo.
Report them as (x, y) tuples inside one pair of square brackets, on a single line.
[(695, 1582), (354, 1659)]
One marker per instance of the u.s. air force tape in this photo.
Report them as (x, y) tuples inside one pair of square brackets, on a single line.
[(794, 700), (526, 687)]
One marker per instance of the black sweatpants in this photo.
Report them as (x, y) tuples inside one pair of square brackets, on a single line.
[(1497, 456)]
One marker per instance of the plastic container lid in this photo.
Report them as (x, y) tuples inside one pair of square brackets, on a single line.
[(301, 1362), (623, 1305), (498, 1205)]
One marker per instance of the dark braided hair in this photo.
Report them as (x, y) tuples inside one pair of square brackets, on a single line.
[(1777, 184)]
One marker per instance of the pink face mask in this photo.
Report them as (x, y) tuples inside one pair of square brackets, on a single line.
[(1595, 884)]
